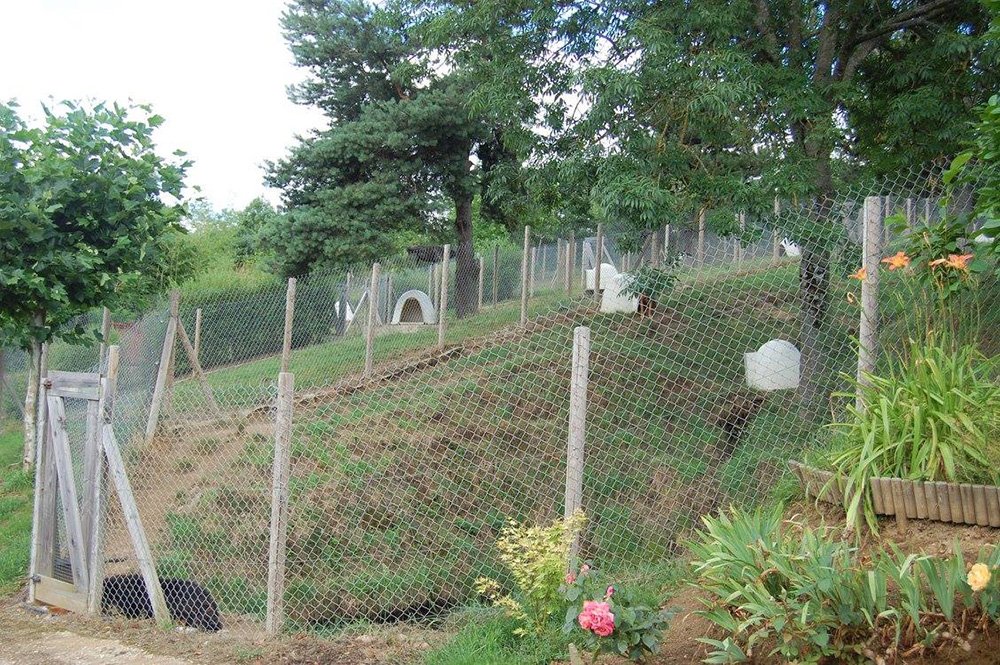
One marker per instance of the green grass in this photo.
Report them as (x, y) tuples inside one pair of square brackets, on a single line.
[(485, 637), (15, 510)]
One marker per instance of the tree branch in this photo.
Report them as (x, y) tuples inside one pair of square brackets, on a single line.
[(905, 20)]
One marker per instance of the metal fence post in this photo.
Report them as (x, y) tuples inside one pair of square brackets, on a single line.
[(370, 331), (443, 299), (577, 438), (524, 275), (279, 504), (871, 254), (286, 344)]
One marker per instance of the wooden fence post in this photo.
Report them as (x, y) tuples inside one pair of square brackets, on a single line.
[(577, 438), (286, 344), (739, 240), (666, 241), (531, 279), (598, 260), (431, 291), (389, 300), (279, 504), (196, 369), (31, 401), (197, 334), (443, 297), (570, 261), (96, 484), (496, 271), (871, 255), (701, 238), (482, 270), (775, 241), (524, 274), (105, 336), (159, 388), (911, 215), (370, 331), (43, 520), (544, 253)]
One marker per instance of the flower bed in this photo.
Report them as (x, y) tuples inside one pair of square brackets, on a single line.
[(958, 503)]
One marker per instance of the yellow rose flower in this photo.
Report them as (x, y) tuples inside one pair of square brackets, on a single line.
[(979, 577)]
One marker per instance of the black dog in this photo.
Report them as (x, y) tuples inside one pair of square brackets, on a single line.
[(188, 602)]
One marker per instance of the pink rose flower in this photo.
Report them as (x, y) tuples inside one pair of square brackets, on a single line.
[(584, 569), (570, 578), (597, 618), (610, 592)]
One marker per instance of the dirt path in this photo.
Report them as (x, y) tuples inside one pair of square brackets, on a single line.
[(69, 648)]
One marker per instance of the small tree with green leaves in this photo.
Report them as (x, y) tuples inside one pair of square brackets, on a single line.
[(85, 204)]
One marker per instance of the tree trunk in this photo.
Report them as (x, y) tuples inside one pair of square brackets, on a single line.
[(31, 399), (466, 268)]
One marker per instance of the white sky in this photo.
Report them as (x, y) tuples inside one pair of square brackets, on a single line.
[(216, 70)]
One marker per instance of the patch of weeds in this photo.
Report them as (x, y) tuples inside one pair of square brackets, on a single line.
[(247, 654), (183, 528)]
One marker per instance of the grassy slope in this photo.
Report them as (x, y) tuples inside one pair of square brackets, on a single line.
[(15, 510), (398, 491)]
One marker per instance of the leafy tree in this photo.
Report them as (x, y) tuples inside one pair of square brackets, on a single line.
[(725, 102), (251, 224), (82, 210)]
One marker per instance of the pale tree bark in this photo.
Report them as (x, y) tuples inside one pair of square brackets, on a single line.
[(31, 398)]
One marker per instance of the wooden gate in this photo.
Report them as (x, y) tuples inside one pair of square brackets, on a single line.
[(77, 485)]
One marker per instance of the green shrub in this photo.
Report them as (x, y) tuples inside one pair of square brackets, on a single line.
[(797, 592), (935, 416)]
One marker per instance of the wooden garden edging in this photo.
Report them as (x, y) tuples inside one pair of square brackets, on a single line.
[(958, 503)]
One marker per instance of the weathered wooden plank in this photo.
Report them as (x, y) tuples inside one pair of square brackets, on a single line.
[(900, 504), (909, 499), (955, 498), (206, 389), (443, 299), (868, 331), (931, 499), (60, 594), (130, 511), (160, 387), (993, 505), (275, 617), (43, 521), (525, 253), (99, 481), (286, 343), (878, 503), (968, 504), (76, 385), (67, 492), (91, 454), (920, 501), (979, 502), (944, 501)]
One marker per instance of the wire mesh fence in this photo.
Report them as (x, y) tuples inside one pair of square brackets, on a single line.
[(415, 435)]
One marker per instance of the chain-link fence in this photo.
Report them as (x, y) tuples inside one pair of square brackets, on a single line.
[(713, 360)]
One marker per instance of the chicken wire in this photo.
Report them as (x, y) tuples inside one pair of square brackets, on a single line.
[(400, 480)]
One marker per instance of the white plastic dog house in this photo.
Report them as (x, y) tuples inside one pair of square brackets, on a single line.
[(791, 249), (350, 312), (613, 300), (414, 306), (774, 366), (607, 272)]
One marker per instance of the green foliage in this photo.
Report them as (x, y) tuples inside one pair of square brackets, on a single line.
[(536, 557), (637, 624), (83, 218), (652, 283), (814, 597), (933, 415)]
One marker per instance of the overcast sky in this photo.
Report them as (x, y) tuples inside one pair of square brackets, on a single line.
[(215, 69)]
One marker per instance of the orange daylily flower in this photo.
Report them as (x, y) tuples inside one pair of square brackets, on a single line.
[(860, 274), (956, 261), (897, 261)]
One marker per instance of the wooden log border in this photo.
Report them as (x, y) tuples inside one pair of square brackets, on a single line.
[(956, 503)]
